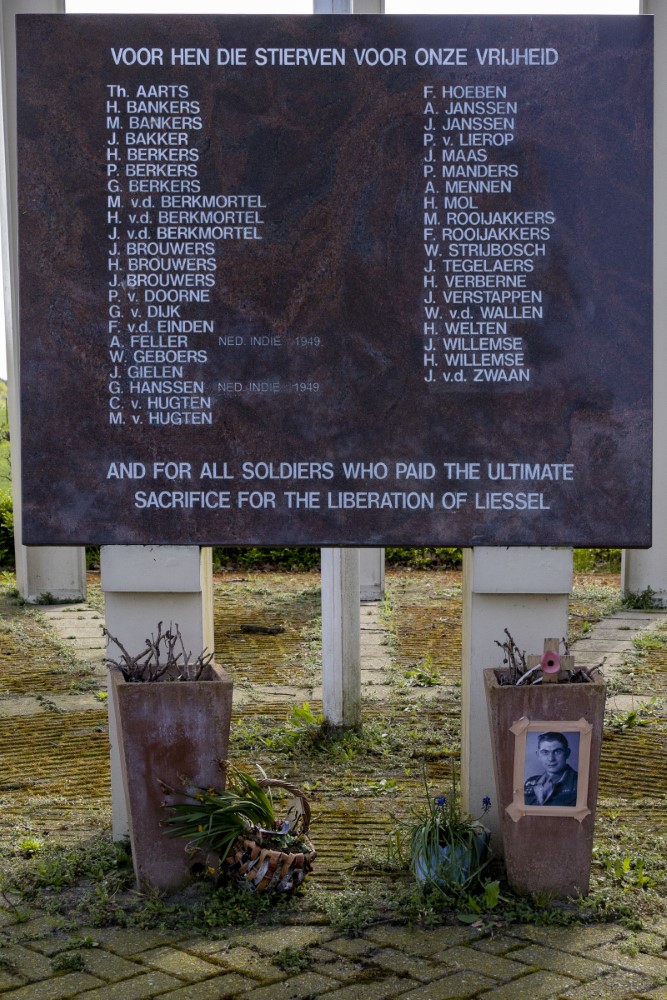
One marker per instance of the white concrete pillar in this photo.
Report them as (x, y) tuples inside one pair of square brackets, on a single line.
[(526, 591), (371, 574), (143, 585), (341, 667), (58, 571), (339, 569), (644, 568)]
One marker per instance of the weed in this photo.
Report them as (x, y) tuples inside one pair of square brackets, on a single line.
[(629, 947), (29, 846), (68, 961), (48, 704), (649, 641), (645, 600), (351, 910), (630, 874), (424, 676), (57, 867), (641, 716), (293, 960), (597, 560), (48, 598)]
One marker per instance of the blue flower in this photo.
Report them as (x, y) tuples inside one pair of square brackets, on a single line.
[(486, 803), (441, 801)]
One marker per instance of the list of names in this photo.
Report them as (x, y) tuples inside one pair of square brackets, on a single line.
[(481, 268)]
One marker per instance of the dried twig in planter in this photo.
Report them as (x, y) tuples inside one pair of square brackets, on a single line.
[(519, 674), (514, 658), (159, 661)]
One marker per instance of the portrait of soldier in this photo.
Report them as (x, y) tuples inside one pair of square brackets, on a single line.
[(556, 782)]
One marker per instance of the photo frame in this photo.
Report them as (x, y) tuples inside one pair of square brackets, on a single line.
[(551, 768)]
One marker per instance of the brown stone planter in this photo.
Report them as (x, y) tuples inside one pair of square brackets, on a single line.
[(547, 847), (168, 731)]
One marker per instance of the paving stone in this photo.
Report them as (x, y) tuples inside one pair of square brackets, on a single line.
[(9, 980), (220, 988), (131, 942), (561, 961), (55, 989), (273, 941), (351, 947), (30, 964), (430, 944), (140, 988), (651, 942), (307, 985), (419, 968), (488, 965), (328, 963), (36, 930), (208, 946), (651, 965), (617, 985), (577, 939), (55, 944), (456, 987), (108, 966), (179, 963), (381, 989), (536, 986), (499, 945), (249, 963)]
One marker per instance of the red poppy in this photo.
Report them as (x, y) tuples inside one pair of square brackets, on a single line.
[(550, 662)]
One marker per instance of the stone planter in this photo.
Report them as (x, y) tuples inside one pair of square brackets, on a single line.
[(168, 731), (547, 844)]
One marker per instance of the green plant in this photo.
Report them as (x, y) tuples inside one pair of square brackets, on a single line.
[(632, 718), (68, 961), (6, 529), (212, 819), (649, 641), (30, 845), (304, 722), (293, 960), (424, 676), (644, 600), (629, 873), (597, 560), (349, 911), (446, 846)]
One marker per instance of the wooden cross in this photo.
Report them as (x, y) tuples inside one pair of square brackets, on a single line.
[(566, 663)]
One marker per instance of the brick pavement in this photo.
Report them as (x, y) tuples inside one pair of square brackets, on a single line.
[(520, 963)]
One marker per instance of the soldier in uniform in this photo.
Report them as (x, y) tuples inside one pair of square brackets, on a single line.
[(557, 784)]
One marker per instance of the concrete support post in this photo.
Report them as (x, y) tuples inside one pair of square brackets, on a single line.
[(371, 574), (341, 667), (143, 585), (644, 568), (526, 591), (58, 571)]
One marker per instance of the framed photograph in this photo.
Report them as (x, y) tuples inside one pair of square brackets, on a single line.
[(551, 768)]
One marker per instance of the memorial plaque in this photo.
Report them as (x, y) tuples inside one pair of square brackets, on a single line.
[(336, 280)]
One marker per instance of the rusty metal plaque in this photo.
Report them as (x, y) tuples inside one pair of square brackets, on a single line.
[(336, 280)]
